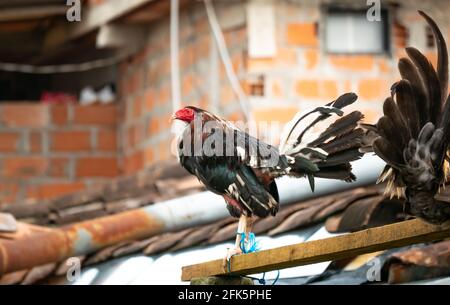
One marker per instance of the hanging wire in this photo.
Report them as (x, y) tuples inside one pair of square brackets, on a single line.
[(225, 56), (174, 55), (64, 68)]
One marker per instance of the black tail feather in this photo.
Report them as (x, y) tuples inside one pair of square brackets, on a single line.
[(409, 72), (407, 104), (431, 81), (442, 62), (340, 127), (330, 153)]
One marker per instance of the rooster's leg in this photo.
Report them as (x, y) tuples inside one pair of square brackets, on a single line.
[(242, 228), (248, 227)]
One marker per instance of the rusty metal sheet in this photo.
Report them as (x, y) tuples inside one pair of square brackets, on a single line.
[(34, 246), (13, 278), (368, 212), (38, 273), (165, 241), (419, 263), (300, 218)]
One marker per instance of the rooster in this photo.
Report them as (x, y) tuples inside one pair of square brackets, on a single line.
[(413, 136), (242, 169)]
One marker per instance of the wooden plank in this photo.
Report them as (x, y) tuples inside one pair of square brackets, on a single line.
[(92, 18), (348, 245)]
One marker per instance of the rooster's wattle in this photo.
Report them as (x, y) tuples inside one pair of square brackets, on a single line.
[(241, 168)]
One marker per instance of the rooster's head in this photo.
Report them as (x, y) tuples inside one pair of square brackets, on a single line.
[(186, 114)]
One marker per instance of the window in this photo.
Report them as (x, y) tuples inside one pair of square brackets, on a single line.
[(349, 32)]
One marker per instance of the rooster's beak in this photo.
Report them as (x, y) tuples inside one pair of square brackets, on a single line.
[(172, 118)]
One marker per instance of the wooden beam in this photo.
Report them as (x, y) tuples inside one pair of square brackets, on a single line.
[(348, 245), (118, 36), (149, 13), (30, 13), (92, 18)]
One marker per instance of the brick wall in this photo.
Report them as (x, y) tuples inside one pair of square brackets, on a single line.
[(302, 74), (145, 85), (47, 151)]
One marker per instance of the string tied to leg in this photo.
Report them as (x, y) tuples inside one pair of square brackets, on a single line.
[(251, 245)]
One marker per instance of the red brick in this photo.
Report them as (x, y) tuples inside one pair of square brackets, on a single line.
[(153, 126), (8, 141), (302, 34), (279, 114), (35, 142), (59, 167), (137, 106), (97, 167), (164, 152), (311, 58), (165, 121), (150, 100), (155, 72), (187, 56), (277, 90), (53, 190), (371, 88), (203, 102), (384, 65), (237, 62), (236, 117), (59, 114), (188, 84), (260, 64), (201, 48), (226, 95), (287, 56), (107, 140), (135, 82), (140, 57), (24, 115), (352, 62), (71, 141), (134, 162), (95, 115), (307, 88), (284, 57), (329, 90), (240, 35), (134, 135), (8, 193), (163, 96), (149, 156), (24, 167)]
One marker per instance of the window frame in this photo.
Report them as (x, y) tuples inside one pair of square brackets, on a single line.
[(386, 28)]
